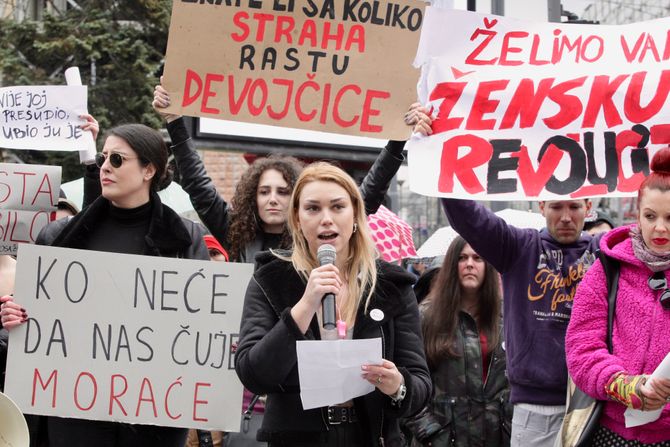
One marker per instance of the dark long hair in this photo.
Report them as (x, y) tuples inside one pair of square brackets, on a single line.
[(150, 147), (444, 302), (245, 223)]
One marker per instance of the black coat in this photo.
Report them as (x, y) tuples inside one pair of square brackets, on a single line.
[(169, 235), (266, 359)]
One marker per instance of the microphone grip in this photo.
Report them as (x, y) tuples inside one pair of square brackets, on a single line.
[(328, 311)]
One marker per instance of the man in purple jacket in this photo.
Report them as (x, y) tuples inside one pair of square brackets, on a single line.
[(540, 271)]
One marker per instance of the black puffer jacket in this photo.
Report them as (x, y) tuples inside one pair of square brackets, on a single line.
[(266, 359), (169, 234), (213, 209)]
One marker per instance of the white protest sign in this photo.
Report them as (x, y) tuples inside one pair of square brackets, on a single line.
[(539, 110), (29, 187), (87, 153), (28, 196), (42, 117), (128, 338)]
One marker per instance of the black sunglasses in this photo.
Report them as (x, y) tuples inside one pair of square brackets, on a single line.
[(115, 159), (657, 281)]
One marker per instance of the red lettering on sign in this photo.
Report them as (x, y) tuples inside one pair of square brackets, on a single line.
[(38, 378), (114, 394), (463, 168), (368, 111), (482, 105), (632, 106), (532, 181), (76, 391), (208, 93), (197, 402), (600, 97), (450, 93)]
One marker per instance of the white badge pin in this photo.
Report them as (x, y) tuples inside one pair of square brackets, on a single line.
[(377, 314)]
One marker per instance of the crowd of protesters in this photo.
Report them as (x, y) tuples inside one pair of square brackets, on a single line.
[(483, 360)]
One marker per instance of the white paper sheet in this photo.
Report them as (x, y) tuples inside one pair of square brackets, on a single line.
[(330, 371), (638, 417), (86, 155)]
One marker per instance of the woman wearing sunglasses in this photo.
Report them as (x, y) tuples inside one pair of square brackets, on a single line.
[(128, 218), (641, 331)]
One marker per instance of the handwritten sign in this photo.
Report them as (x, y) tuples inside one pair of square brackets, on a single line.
[(539, 110), (42, 117), (28, 197), (337, 66), (127, 338)]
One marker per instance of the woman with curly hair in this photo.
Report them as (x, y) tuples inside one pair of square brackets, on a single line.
[(257, 220), (258, 207)]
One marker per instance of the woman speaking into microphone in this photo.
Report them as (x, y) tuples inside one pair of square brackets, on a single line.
[(372, 299)]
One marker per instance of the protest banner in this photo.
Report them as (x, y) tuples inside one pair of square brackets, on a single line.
[(341, 66), (42, 117), (118, 337), (28, 200), (539, 110)]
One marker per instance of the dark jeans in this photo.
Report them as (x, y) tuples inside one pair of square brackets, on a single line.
[(79, 432), (343, 435)]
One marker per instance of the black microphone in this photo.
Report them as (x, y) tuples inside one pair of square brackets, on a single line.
[(326, 255)]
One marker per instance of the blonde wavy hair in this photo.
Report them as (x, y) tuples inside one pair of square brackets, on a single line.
[(360, 264)]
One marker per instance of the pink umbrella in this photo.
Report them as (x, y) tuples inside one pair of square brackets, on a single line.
[(392, 235)]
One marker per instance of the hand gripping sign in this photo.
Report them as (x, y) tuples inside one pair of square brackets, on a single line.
[(337, 66), (539, 110), (129, 338)]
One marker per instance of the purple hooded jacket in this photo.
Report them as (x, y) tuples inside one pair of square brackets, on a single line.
[(640, 335), (540, 277)]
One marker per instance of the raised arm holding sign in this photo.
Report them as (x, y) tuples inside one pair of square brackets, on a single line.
[(265, 186), (539, 110)]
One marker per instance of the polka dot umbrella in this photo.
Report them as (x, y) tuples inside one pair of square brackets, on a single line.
[(392, 235)]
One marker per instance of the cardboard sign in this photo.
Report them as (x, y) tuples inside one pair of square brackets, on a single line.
[(42, 117), (28, 196), (341, 66), (539, 110), (117, 337)]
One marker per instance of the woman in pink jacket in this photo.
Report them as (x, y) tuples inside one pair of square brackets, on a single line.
[(641, 331)]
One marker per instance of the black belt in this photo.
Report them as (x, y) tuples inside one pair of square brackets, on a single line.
[(341, 415)]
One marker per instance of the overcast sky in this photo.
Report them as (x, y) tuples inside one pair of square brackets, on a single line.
[(576, 6)]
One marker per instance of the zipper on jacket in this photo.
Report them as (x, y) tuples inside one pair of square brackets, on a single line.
[(488, 372)]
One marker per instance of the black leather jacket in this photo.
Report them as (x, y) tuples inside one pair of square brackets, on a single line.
[(266, 359), (213, 209)]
